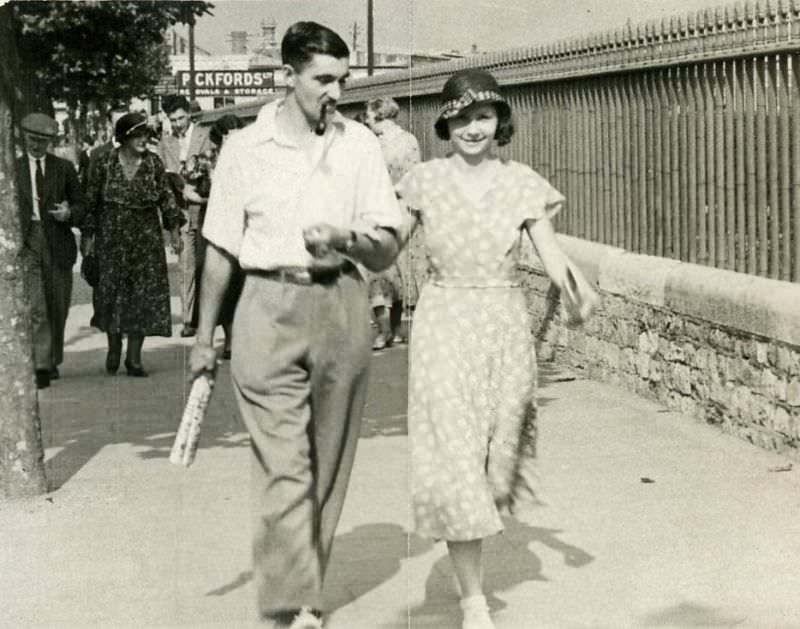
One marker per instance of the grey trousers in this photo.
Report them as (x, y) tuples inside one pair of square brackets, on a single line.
[(299, 369), (188, 262)]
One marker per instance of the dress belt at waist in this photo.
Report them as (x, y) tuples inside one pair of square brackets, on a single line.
[(305, 276), (473, 282)]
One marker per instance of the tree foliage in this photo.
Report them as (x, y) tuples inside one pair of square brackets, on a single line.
[(98, 52)]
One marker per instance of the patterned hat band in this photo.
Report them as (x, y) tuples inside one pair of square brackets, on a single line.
[(451, 108), (136, 127)]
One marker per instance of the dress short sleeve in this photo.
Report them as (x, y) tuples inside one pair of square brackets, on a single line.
[(538, 198), (410, 190)]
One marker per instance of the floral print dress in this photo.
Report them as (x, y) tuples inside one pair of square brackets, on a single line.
[(126, 216), (400, 151), (472, 365)]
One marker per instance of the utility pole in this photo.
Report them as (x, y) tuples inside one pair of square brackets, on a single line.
[(356, 31), (191, 52), (370, 40)]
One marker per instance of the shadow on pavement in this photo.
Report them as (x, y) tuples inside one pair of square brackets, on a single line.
[(508, 561), (691, 615), (362, 560), (368, 556), (87, 410)]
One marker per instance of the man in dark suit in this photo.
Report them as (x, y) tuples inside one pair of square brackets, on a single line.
[(178, 150), (51, 202)]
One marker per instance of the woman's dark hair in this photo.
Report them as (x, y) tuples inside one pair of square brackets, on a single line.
[(473, 86), (303, 40), (505, 126), (222, 126)]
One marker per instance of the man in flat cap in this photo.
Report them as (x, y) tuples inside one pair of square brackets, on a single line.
[(51, 202)]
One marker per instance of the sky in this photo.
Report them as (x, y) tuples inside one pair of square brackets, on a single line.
[(440, 25)]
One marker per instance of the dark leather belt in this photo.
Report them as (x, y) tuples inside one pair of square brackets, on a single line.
[(306, 276)]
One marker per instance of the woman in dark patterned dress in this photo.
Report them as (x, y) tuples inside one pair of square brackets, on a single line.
[(128, 200)]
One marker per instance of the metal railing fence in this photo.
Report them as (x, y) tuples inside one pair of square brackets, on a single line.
[(678, 138)]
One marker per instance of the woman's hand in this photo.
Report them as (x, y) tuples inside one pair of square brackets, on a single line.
[(175, 241), (202, 359)]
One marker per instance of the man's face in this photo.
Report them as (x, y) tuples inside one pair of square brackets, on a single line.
[(179, 119), (36, 145), (318, 84)]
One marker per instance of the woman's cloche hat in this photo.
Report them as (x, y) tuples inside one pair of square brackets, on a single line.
[(469, 87), (130, 124)]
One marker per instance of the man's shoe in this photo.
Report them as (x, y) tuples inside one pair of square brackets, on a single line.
[(54, 375), (42, 378), (306, 619), (188, 331)]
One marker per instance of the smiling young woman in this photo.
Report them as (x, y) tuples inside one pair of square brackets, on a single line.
[(472, 365)]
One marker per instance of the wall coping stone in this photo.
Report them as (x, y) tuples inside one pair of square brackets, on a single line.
[(760, 306)]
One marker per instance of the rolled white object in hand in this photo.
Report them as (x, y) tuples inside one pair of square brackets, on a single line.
[(185, 446), (579, 299)]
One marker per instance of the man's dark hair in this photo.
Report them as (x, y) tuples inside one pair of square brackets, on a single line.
[(303, 40), (175, 102)]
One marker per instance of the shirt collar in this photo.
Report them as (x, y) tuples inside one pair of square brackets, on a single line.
[(187, 133), (267, 129), (33, 159)]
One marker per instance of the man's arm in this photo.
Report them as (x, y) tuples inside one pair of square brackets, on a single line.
[(376, 249), (74, 195), (217, 269)]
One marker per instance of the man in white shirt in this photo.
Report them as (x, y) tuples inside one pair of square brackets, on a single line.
[(178, 150), (298, 197)]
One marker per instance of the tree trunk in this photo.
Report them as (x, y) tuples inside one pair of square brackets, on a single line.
[(21, 451)]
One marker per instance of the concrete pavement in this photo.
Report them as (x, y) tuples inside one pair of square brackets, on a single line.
[(653, 520)]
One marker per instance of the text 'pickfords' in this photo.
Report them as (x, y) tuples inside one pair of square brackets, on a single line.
[(228, 81)]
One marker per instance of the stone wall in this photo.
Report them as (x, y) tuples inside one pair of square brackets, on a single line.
[(718, 345)]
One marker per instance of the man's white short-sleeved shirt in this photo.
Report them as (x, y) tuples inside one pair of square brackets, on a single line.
[(265, 190)]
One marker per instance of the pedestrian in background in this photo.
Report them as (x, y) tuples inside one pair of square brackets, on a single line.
[(197, 190), (220, 130), (177, 149), (392, 290), (297, 197), (51, 203), (472, 363), (129, 200), (90, 262)]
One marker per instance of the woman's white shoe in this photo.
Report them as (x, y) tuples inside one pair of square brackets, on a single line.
[(476, 613)]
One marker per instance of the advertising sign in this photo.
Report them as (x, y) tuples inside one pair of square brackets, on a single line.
[(227, 82)]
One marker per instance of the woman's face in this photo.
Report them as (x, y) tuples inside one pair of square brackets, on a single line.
[(472, 131), (137, 142)]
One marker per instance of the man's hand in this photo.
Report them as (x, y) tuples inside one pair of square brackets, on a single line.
[(202, 359), (322, 239), (61, 212)]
